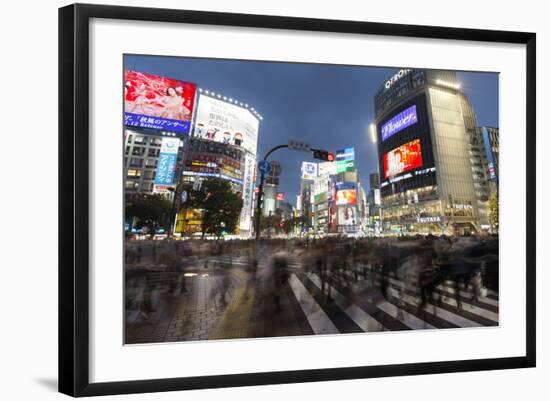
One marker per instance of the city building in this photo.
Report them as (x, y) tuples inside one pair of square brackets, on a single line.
[(332, 196), (490, 138), (223, 145), (424, 129), (142, 154)]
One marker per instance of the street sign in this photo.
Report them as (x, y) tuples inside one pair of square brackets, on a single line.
[(298, 145), (264, 166)]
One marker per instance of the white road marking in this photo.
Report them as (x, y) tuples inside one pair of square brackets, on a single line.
[(358, 315), (317, 318)]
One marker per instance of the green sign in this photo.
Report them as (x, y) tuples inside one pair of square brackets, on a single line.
[(345, 166)]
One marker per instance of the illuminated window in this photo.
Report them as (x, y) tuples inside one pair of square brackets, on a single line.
[(134, 173)]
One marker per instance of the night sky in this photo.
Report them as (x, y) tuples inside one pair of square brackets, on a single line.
[(328, 106)]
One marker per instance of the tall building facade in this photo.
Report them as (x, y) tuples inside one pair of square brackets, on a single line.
[(223, 145), (424, 128), (145, 170)]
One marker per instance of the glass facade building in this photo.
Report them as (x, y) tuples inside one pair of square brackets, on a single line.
[(424, 127)]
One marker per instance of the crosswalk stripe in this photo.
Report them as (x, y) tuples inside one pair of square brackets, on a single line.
[(403, 316), (321, 323), (317, 318), (339, 318), (468, 294), (358, 315), (440, 312), (466, 306)]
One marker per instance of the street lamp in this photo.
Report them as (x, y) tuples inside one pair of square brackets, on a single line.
[(372, 130)]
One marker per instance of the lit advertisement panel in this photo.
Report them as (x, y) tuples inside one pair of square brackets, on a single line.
[(345, 160), (401, 121), (309, 171), (167, 161), (159, 103), (227, 123), (404, 158), (280, 196), (347, 216), (346, 193), (345, 154)]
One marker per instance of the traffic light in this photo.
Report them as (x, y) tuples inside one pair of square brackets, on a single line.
[(323, 155)]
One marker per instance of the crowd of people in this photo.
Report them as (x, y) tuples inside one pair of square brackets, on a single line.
[(369, 267)]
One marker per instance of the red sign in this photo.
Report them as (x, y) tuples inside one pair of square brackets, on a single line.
[(280, 196), (153, 96), (404, 158)]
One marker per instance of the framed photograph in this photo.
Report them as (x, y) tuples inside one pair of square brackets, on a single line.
[(251, 199)]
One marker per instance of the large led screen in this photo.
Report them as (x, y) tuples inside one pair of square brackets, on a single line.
[(346, 193), (404, 158), (159, 103), (401, 121)]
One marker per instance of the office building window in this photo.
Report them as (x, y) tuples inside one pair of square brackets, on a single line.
[(134, 173), (136, 162)]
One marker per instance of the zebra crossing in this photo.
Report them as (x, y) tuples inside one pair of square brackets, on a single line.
[(350, 304)]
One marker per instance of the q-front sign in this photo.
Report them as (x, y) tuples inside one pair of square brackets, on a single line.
[(396, 77)]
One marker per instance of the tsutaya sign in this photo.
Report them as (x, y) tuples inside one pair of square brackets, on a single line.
[(396, 77)]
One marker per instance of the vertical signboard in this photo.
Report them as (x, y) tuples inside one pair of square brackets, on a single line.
[(248, 192), (167, 161), (489, 154)]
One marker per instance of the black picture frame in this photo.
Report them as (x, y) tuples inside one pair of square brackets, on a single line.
[(74, 198)]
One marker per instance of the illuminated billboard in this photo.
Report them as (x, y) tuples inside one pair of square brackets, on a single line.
[(227, 123), (159, 103), (167, 161), (346, 193), (309, 171), (345, 160), (280, 196), (404, 158), (347, 216), (399, 122)]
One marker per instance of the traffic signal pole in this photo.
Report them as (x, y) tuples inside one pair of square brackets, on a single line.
[(320, 154)]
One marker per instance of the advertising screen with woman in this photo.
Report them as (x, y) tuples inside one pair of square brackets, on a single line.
[(157, 102)]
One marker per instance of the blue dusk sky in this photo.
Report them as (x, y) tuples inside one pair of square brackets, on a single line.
[(329, 106)]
